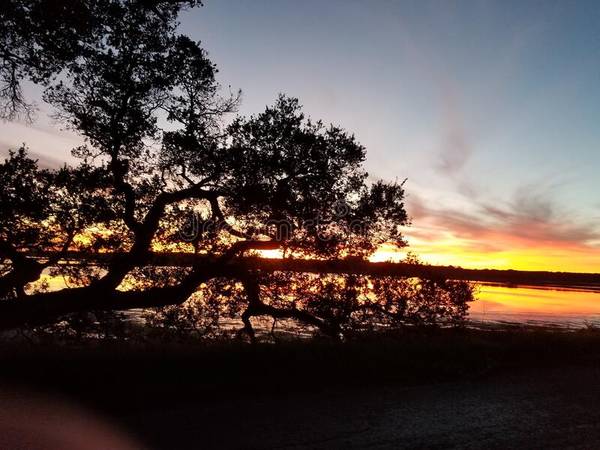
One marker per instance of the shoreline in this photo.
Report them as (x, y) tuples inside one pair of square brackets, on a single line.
[(588, 281)]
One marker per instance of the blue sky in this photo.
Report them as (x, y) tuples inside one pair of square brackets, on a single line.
[(494, 93), (490, 109)]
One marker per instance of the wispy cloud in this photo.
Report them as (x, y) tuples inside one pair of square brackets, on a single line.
[(455, 147), (531, 219)]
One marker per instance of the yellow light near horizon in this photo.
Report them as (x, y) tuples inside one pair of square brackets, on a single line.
[(438, 246), (506, 253), (270, 253), (452, 251)]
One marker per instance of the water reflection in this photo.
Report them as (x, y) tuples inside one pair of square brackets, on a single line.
[(561, 307)]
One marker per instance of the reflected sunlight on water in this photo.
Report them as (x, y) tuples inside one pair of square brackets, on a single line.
[(561, 307)]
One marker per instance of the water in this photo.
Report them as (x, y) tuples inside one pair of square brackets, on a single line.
[(523, 305)]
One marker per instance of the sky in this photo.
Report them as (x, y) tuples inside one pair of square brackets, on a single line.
[(490, 110)]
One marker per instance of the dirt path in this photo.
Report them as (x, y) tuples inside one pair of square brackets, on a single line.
[(541, 408)]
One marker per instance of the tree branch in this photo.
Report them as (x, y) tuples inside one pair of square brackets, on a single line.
[(45, 308), (256, 307)]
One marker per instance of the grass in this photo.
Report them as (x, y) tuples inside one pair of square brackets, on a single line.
[(117, 376)]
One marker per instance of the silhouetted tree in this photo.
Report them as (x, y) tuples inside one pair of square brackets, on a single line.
[(159, 153), (39, 38)]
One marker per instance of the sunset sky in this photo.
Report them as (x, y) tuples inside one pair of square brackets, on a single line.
[(491, 110)]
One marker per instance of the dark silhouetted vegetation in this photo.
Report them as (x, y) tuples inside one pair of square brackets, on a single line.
[(166, 166)]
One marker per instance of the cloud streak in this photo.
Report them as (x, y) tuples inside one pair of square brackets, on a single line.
[(456, 148), (533, 223)]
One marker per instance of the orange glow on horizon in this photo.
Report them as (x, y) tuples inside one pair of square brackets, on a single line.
[(451, 250), (439, 246), (507, 252)]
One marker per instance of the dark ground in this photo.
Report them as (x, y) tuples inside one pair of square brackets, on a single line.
[(425, 390), (556, 408)]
